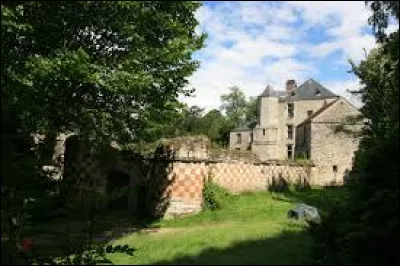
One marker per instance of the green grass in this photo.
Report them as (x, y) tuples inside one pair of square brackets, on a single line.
[(250, 229)]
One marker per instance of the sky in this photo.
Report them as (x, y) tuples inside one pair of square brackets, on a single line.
[(251, 44)]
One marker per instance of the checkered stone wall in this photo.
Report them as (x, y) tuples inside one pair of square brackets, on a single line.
[(187, 181), (240, 177), (186, 188)]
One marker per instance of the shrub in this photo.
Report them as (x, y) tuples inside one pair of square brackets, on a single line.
[(214, 196)]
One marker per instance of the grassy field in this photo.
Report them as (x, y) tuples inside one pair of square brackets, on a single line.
[(249, 229)]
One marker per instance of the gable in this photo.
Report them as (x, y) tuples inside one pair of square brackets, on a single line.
[(336, 113)]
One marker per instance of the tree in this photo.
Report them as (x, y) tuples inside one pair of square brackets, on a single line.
[(107, 70), (216, 127), (191, 123), (363, 228), (234, 104), (98, 68), (252, 110)]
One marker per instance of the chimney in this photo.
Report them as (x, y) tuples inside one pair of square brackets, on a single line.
[(290, 85)]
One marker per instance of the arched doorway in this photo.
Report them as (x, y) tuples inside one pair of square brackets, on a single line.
[(117, 190)]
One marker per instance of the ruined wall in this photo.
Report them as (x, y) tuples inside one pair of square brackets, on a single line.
[(174, 178), (177, 182), (177, 186)]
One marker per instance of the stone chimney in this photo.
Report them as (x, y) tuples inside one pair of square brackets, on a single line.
[(290, 85)]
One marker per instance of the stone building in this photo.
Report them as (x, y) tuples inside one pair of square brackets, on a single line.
[(309, 110)]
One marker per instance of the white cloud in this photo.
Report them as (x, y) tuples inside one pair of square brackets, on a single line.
[(267, 40), (344, 23), (323, 49), (262, 13), (392, 28), (343, 89)]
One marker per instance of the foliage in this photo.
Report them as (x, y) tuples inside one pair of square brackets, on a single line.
[(91, 256), (106, 66), (362, 229), (234, 104), (192, 120), (379, 20), (216, 127), (252, 110), (105, 70), (214, 196)]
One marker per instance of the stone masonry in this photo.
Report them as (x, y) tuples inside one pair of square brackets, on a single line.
[(299, 122), (173, 179), (187, 176)]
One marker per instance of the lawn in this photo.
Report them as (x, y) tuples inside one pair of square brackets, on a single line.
[(250, 229)]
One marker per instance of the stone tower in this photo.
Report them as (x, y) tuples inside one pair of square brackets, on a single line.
[(266, 132)]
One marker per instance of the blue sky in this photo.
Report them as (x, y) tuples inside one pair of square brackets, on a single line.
[(251, 44)]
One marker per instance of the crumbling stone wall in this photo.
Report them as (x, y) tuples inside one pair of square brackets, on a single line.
[(181, 179), (174, 177)]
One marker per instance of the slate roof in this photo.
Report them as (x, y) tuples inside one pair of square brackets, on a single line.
[(268, 92), (310, 90)]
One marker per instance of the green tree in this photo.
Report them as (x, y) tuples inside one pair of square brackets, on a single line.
[(252, 110), (363, 228), (107, 70), (98, 68), (216, 126), (234, 104)]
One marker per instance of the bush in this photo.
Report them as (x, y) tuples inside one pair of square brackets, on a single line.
[(214, 196)]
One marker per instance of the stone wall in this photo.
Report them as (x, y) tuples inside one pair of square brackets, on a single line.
[(178, 180), (300, 114), (303, 141), (186, 188), (174, 178), (240, 177), (183, 194), (332, 152), (245, 143)]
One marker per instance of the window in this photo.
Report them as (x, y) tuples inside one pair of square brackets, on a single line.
[(290, 131), (309, 112), (238, 149), (251, 137), (263, 132), (335, 168), (238, 138), (290, 151), (290, 110), (317, 93)]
